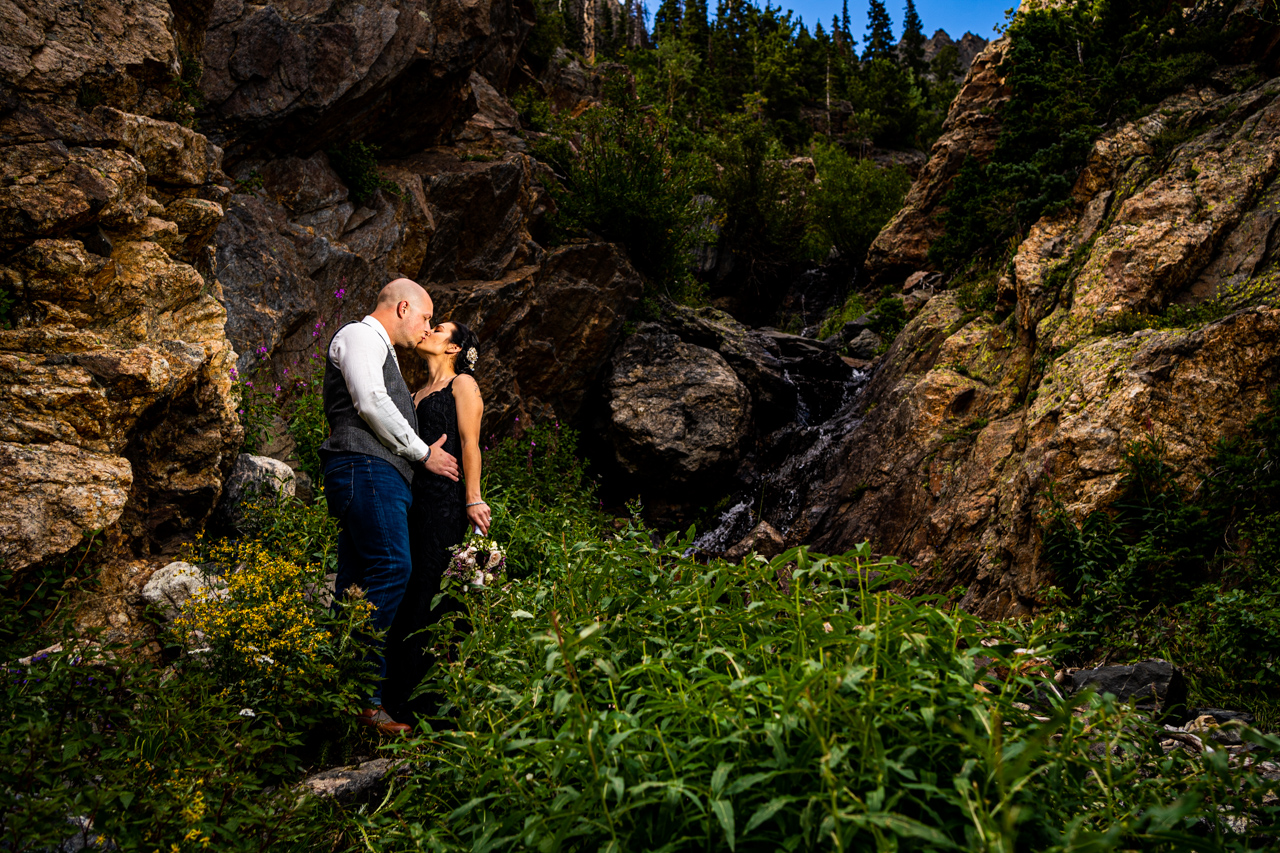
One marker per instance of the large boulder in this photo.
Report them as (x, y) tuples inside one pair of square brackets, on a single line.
[(115, 394), (172, 585), (1151, 682), (679, 415)]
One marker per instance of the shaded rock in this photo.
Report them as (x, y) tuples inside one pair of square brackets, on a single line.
[(763, 540), (170, 586), (251, 478), (678, 413), (1149, 681), (1221, 715), (545, 331), (361, 782), (325, 73), (947, 457), (865, 345), (754, 357), (821, 378)]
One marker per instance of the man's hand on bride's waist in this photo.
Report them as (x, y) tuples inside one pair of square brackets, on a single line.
[(439, 461)]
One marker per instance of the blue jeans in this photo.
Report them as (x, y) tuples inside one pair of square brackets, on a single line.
[(371, 502)]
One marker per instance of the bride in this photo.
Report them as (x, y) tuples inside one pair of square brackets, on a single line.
[(448, 404)]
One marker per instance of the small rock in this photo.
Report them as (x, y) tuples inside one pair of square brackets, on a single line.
[(853, 328), (1149, 680), (763, 539), (170, 587), (344, 784), (251, 477), (921, 279), (864, 346)]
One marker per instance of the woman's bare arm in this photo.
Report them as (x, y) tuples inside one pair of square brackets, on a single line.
[(470, 406)]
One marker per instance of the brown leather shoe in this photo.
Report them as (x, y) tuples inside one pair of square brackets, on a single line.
[(379, 719)]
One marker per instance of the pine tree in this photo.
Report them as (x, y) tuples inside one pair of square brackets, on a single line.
[(879, 32), (844, 21), (666, 21), (913, 41), (695, 29)]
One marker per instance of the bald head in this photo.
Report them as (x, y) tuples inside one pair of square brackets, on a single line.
[(401, 290), (404, 310)]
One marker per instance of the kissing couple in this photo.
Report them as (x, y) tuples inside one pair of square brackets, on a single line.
[(398, 500)]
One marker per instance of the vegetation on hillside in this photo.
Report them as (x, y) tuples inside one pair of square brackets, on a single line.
[(698, 140), (612, 693), (1073, 70), (1185, 573)]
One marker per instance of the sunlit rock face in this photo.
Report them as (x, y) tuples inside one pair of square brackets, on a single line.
[(949, 456), (115, 397)]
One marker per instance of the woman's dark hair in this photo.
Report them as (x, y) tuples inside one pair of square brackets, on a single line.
[(465, 360)]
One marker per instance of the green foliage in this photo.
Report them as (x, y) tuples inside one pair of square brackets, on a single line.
[(853, 200), (631, 698), (188, 100), (307, 425), (1172, 317), (357, 165), (626, 185), (888, 317), (535, 110), (1072, 69), (766, 215), (32, 597), (1186, 571), (976, 289), (853, 307), (99, 749), (258, 405), (549, 31), (539, 493)]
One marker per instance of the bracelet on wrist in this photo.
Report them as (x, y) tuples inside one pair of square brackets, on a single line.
[(428, 456), (476, 503)]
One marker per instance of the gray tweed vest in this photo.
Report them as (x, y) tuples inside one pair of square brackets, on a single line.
[(348, 432)]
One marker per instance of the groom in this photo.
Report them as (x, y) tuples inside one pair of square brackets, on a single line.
[(369, 456)]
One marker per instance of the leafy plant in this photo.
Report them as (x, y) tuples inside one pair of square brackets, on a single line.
[(357, 165), (1188, 572), (853, 200), (853, 307), (631, 698)]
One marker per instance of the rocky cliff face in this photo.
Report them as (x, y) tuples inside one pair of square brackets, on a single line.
[(970, 417), (115, 403), (137, 258)]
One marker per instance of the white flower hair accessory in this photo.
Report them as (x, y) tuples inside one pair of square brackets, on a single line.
[(472, 355)]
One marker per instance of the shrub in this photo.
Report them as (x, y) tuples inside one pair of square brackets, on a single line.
[(1072, 69), (357, 165), (1189, 573), (765, 210), (624, 184), (99, 749), (854, 200), (853, 307)]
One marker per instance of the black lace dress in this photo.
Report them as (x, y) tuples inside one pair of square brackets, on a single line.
[(437, 524)]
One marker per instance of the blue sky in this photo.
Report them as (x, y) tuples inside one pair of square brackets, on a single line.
[(954, 16)]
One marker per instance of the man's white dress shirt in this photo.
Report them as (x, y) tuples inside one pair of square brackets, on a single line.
[(359, 351)]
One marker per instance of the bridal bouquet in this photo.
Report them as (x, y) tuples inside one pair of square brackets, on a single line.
[(476, 563)]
